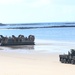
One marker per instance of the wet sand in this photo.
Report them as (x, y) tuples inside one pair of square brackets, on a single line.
[(33, 64)]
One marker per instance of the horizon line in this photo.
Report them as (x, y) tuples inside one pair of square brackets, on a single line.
[(39, 23)]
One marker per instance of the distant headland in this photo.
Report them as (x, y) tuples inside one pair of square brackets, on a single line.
[(1, 24), (40, 25)]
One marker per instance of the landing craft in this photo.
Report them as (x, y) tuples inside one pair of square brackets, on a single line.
[(20, 40), (68, 58)]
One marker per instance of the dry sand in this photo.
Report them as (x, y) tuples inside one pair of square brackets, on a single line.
[(33, 64)]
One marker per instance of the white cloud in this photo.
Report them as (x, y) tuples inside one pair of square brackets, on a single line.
[(28, 3), (64, 2), (9, 1), (38, 3)]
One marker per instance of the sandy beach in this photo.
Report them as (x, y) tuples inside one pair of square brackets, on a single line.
[(43, 60), (33, 64)]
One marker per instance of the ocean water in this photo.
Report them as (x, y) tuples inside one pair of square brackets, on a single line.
[(66, 34), (44, 37)]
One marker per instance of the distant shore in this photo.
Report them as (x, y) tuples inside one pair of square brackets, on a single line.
[(39, 23), (39, 27)]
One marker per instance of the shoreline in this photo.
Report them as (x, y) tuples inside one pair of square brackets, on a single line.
[(41, 46)]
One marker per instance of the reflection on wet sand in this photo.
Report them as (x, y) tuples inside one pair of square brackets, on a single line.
[(29, 47)]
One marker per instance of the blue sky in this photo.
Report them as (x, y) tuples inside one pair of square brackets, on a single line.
[(29, 11)]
